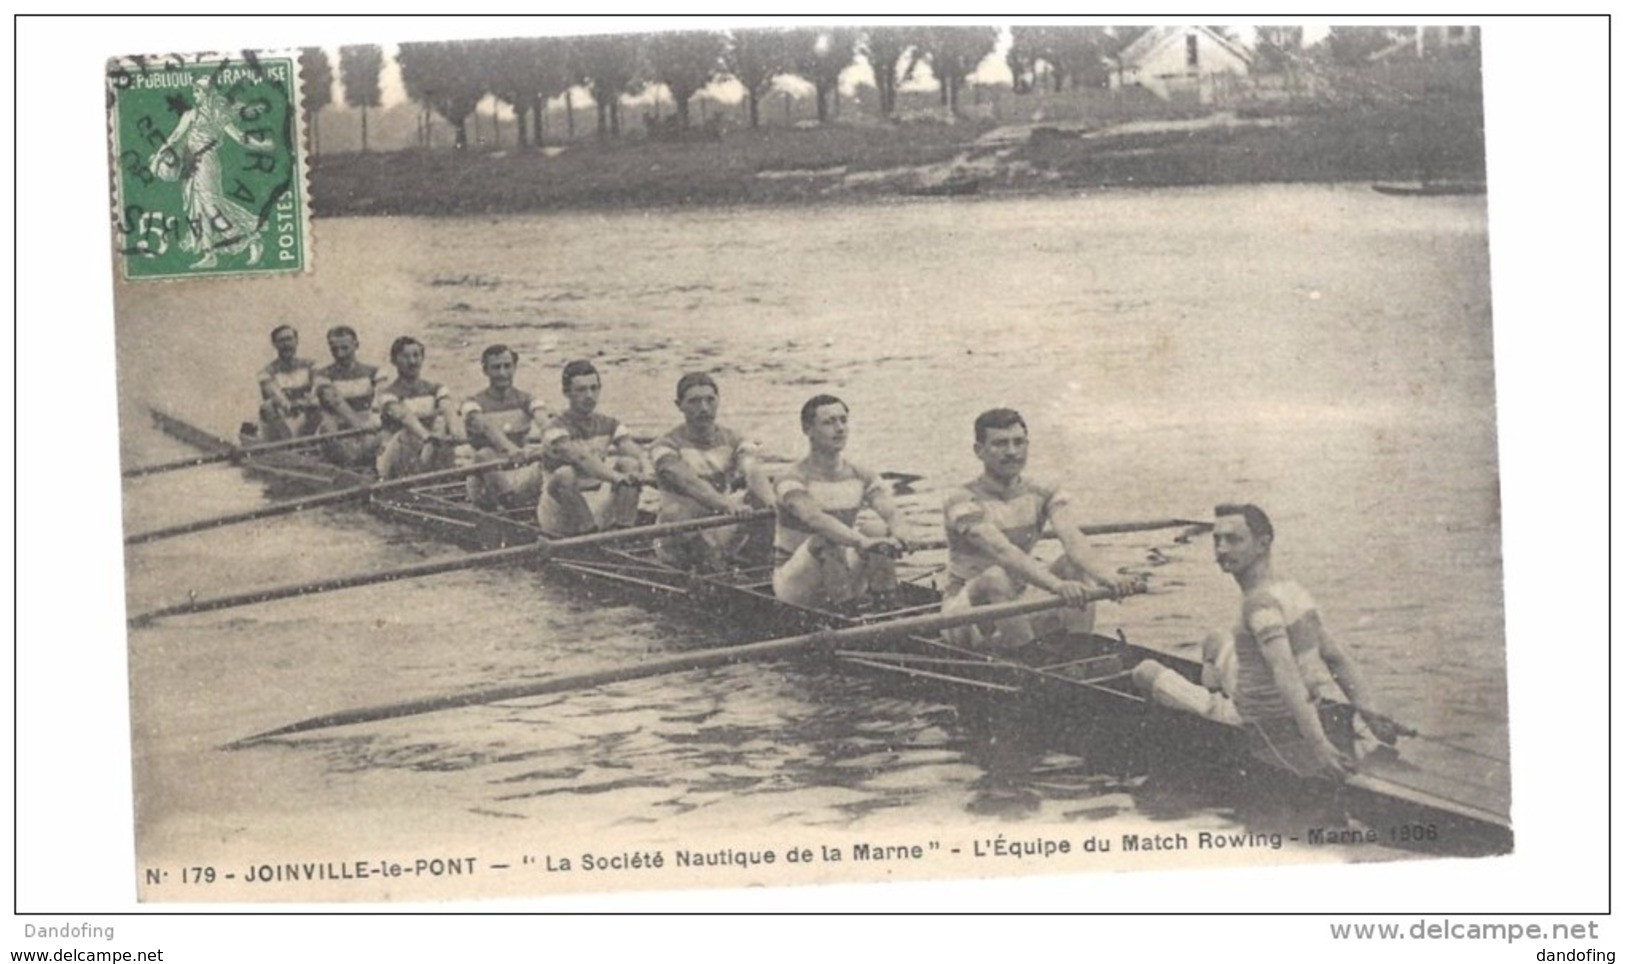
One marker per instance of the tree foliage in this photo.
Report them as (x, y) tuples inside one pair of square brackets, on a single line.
[(686, 61), (884, 48), (446, 76), (610, 65), (1276, 47), (525, 73), (953, 53), (360, 66), (756, 57), (1070, 54), (819, 55), (317, 75), (1353, 46)]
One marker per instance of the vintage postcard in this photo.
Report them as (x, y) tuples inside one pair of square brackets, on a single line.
[(799, 455)]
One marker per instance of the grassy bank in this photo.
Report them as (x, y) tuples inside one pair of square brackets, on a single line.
[(1437, 139)]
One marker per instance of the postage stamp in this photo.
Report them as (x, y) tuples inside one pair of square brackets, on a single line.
[(208, 165)]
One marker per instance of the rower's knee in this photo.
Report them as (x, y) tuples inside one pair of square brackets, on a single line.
[(626, 464), (563, 480), (992, 586)]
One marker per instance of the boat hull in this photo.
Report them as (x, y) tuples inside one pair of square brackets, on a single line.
[(1073, 694)]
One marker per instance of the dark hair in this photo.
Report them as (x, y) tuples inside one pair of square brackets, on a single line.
[(338, 330), (495, 350), (695, 380), (280, 328), (809, 411), (997, 418), (579, 367), (399, 345), (1257, 522)]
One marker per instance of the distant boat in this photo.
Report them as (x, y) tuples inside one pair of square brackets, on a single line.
[(1429, 188), (952, 187)]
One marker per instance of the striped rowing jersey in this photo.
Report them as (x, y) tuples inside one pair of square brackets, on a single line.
[(356, 385), (852, 489), (1020, 510), (511, 412), (719, 461), (420, 397), (598, 431), (296, 379), (1269, 613)]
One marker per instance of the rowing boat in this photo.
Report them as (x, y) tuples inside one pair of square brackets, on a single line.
[(1078, 687)]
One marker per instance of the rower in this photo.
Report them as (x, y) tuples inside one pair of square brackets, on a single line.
[(346, 390), (595, 469), (704, 469), (993, 523), (418, 412), (502, 421), (1269, 674), (823, 554), (288, 407)]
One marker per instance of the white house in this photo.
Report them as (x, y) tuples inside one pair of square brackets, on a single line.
[(1180, 63)]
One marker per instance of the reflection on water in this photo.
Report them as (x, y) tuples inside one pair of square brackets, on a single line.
[(1323, 351)]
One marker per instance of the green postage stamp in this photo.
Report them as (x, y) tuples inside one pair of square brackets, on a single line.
[(209, 166)]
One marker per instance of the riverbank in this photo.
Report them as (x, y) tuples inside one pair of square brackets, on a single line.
[(1435, 140)]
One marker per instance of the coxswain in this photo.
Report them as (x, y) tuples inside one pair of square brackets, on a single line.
[(1274, 673), (419, 414), (824, 555), (288, 406), (595, 471), (347, 390), (993, 523), (502, 422), (705, 469)]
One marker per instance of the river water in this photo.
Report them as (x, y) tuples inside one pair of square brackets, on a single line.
[(1324, 351)]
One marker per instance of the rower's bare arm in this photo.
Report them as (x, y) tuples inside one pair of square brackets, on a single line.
[(480, 428), (758, 480), (1277, 651), (990, 540), (1068, 524), (579, 455), (448, 422), (806, 509), (1352, 680), (272, 392), (672, 471), (396, 411), (896, 522)]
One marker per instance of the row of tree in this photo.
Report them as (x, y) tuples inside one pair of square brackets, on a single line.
[(452, 77)]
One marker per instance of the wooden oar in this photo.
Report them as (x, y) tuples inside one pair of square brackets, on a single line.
[(1100, 529), (539, 551), (359, 493), (825, 639), (240, 452)]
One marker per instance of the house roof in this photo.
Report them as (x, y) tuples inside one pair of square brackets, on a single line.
[(1148, 42)]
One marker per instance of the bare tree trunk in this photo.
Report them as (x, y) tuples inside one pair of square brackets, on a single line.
[(570, 115), (363, 128)]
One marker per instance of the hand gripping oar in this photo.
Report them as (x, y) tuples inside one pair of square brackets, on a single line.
[(826, 640), (240, 452), (539, 550), (359, 493)]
